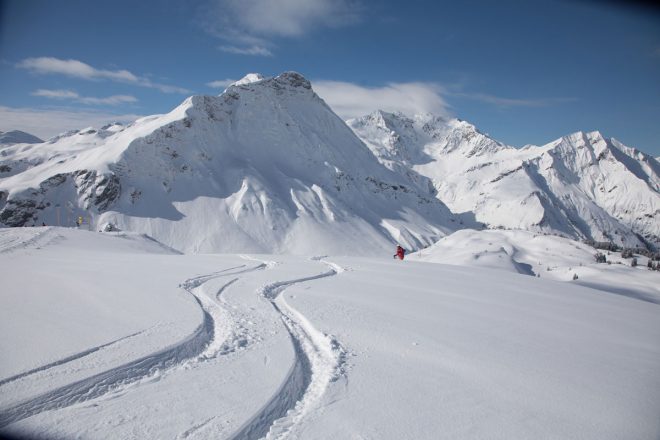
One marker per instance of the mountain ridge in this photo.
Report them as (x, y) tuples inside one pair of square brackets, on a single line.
[(561, 187)]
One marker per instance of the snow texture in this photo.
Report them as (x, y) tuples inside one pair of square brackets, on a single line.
[(100, 342)]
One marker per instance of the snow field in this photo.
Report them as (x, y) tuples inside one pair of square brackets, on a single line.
[(545, 256), (442, 351), (150, 344)]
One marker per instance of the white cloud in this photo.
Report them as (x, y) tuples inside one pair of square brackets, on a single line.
[(250, 24), (513, 102), (350, 100), (74, 68), (221, 83), (249, 50), (46, 123), (56, 94), (74, 96), (289, 17), (78, 69), (110, 100)]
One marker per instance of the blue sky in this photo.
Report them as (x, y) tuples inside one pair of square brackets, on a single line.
[(522, 71)]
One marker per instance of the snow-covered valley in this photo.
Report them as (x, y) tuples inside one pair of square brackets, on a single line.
[(112, 335)]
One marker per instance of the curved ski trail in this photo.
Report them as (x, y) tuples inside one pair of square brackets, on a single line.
[(318, 361), (67, 359), (201, 345)]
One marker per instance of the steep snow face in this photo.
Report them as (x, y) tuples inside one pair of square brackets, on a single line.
[(264, 167), (581, 186), (585, 169), (18, 137)]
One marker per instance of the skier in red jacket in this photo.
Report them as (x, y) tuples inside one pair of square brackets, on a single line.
[(400, 252)]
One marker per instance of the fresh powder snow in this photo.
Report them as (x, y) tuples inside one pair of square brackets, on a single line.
[(112, 335)]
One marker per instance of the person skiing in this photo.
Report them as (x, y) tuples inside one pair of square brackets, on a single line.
[(400, 252)]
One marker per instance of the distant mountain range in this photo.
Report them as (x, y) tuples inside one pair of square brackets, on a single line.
[(268, 167), (582, 186), (18, 137)]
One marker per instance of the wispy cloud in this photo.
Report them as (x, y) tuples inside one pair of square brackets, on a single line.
[(79, 69), (74, 68), (47, 123), (249, 50), (248, 26), (221, 83), (74, 96), (351, 100), (56, 94), (502, 102)]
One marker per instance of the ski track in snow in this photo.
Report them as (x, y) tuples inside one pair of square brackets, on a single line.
[(318, 361), (11, 240), (223, 288), (197, 347), (67, 359), (195, 429)]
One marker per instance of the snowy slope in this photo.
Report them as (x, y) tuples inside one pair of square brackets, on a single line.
[(236, 347), (581, 186), (264, 167), (545, 256), (18, 137)]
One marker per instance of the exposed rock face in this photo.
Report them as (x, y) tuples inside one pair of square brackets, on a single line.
[(95, 192), (19, 212), (99, 191)]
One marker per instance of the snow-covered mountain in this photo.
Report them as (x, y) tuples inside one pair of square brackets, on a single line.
[(264, 167), (582, 186), (18, 137), (268, 167)]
